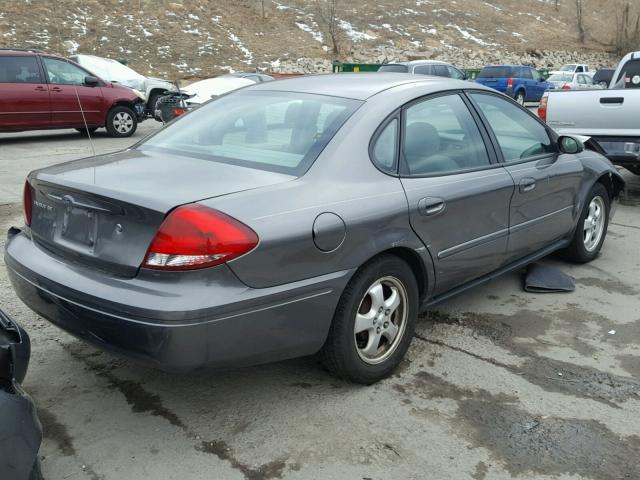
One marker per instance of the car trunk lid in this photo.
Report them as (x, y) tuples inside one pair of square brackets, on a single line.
[(104, 211)]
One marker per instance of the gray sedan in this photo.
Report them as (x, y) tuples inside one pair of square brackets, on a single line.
[(310, 215)]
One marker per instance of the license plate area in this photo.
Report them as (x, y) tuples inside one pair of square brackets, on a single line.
[(78, 228)]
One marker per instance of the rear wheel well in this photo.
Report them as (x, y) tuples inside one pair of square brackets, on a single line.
[(415, 263)]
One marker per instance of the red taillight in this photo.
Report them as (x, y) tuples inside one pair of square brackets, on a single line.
[(195, 236), (566, 87), (542, 108), (27, 202), (510, 82), (179, 111)]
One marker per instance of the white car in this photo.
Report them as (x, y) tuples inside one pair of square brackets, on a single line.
[(572, 81), (574, 68), (150, 89), (204, 90)]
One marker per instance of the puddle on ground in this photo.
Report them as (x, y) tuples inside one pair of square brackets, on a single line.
[(551, 446)]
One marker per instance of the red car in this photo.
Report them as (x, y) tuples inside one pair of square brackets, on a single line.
[(42, 91)]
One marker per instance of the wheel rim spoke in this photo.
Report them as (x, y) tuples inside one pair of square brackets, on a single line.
[(364, 322), (377, 296), (373, 345), (393, 301), (594, 224), (391, 332)]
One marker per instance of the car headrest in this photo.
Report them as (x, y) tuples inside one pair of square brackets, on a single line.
[(421, 140)]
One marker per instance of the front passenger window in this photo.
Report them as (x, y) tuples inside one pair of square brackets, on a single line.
[(441, 136), (63, 73), (520, 136)]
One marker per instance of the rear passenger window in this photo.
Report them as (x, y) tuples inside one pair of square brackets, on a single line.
[(384, 148), (19, 70), (455, 73), (441, 136), (520, 136), (422, 69)]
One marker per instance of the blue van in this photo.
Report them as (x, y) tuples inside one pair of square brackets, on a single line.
[(522, 83)]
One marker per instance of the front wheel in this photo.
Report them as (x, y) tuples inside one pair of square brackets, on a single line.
[(374, 322), (121, 122), (592, 226)]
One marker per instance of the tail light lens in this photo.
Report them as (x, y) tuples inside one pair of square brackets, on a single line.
[(27, 202), (195, 236), (542, 108), (566, 87), (179, 111), (510, 82)]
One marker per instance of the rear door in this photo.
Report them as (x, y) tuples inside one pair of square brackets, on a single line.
[(24, 96), (496, 77), (458, 195), (546, 182), (70, 97)]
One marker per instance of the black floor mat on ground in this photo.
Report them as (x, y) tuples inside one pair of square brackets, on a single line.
[(543, 279)]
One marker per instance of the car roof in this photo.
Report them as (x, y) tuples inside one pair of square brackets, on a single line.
[(360, 86), (10, 52), (419, 62)]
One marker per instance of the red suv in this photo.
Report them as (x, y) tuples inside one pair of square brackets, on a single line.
[(42, 91)]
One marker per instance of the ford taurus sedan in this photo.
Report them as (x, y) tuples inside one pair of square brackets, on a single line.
[(310, 215)]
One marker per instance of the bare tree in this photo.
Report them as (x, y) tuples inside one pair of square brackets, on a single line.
[(580, 20), (627, 34), (329, 22)]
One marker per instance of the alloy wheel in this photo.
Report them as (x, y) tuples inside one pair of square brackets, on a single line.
[(381, 320), (123, 122), (593, 226)]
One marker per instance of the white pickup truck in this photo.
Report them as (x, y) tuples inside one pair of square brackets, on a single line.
[(610, 117), (574, 68)]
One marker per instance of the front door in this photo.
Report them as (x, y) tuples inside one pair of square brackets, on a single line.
[(71, 99), (24, 96), (546, 182), (458, 196)]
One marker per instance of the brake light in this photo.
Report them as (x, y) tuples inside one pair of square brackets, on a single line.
[(27, 202), (566, 87), (510, 82), (542, 108), (194, 236), (177, 111)]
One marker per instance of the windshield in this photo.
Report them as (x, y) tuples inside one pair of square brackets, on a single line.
[(277, 131), (560, 77), (394, 68), (496, 72), (567, 68), (112, 71)]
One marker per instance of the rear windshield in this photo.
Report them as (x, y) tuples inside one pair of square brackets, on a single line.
[(394, 68), (496, 72), (560, 77), (276, 131)]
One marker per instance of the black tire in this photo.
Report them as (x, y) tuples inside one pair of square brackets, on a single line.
[(578, 250), (85, 131), (153, 104), (520, 97), (340, 354), (121, 122)]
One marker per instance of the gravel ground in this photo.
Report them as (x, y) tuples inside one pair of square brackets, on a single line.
[(498, 383)]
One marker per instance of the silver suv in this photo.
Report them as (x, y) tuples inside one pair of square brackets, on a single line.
[(425, 67)]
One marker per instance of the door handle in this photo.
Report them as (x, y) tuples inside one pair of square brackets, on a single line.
[(40, 88), (527, 184), (612, 100), (56, 89), (430, 206)]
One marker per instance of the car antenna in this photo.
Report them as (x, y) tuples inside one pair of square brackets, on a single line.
[(84, 118)]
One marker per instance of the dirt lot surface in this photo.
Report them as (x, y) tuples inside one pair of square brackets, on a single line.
[(498, 384)]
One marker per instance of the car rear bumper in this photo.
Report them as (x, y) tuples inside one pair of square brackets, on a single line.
[(176, 321)]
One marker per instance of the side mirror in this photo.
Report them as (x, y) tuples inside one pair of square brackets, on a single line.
[(91, 81), (569, 144)]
